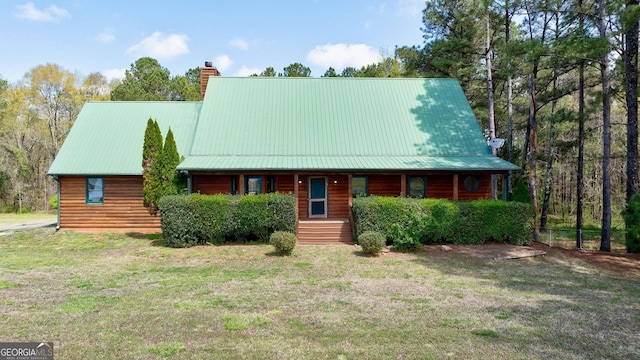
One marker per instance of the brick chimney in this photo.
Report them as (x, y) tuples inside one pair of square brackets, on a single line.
[(205, 72)]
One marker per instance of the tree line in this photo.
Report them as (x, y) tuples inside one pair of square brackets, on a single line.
[(556, 79)]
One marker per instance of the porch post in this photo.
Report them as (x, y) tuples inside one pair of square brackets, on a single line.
[(505, 187), (241, 184), (350, 191), (296, 192), (455, 187), (403, 185)]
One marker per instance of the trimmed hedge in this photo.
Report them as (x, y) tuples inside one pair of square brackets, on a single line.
[(284, 242), (211, 219), (372, 242), (407, 222)]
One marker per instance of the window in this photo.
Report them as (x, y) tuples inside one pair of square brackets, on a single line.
[(271, 184), (95, 190), (234, 185), (417, 186), (359, 186), (471, 183), (253, 185)]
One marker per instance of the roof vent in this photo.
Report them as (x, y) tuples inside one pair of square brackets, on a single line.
[(208, 64)]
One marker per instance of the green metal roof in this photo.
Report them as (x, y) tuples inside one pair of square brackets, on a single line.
[(346, 163), (350, 124), (338, 123), (107, 137)]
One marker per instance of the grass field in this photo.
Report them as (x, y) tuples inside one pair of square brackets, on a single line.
[(105, 296), (19, 219)]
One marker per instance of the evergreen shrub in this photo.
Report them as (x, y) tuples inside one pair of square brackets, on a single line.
[(179, 221), (520, 192), (372, 242), (282, 210), (284, 242), (211, 219), (251, 217), (409, 222), (53, 201), (213, 216)]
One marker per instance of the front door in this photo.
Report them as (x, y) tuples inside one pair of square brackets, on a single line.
[(317, 197)]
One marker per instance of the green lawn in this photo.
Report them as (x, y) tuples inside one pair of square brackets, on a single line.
[(103, 296), (19, 219)]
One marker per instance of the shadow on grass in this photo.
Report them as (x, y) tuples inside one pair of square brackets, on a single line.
[(156, 239), (557, 298), (276, 254)]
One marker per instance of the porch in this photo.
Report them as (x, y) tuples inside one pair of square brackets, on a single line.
[(325, 198)]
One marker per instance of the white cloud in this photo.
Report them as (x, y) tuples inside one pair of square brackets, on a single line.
[(112, 74), (239, 43), (340, 56), (29, 11), (107, 36), (223, 62), (160, 46), (247, 71)]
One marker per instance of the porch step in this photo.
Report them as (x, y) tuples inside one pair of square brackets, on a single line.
[(324, 231)]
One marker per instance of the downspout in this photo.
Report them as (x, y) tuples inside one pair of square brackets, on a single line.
[(55, 177), (505, 185)]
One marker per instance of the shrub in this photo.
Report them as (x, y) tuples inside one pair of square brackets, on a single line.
[(179, 220), (283, 241), (9, 208), (380, 213), (210, 219), (441, 220), (53, 201), (407, 237), (521, 192), (410, 222), (213, 217), (282, 210), (372, 242), (251, 217), (632, 224)]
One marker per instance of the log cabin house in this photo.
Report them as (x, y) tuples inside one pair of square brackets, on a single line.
[(325, 140)]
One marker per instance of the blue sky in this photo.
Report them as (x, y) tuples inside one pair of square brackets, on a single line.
[(240, 37)]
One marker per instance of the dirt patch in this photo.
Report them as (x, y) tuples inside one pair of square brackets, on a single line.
[(483, 252), (621, 263)]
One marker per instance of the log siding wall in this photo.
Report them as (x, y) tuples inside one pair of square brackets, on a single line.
[(484, 192), (122, 210), (203, 184), (439, 186)]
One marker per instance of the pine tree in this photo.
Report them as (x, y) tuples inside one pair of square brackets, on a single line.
[(632, 222)]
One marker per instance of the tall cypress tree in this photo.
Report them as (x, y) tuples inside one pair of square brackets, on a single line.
[(170, 160), (151, 152)]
